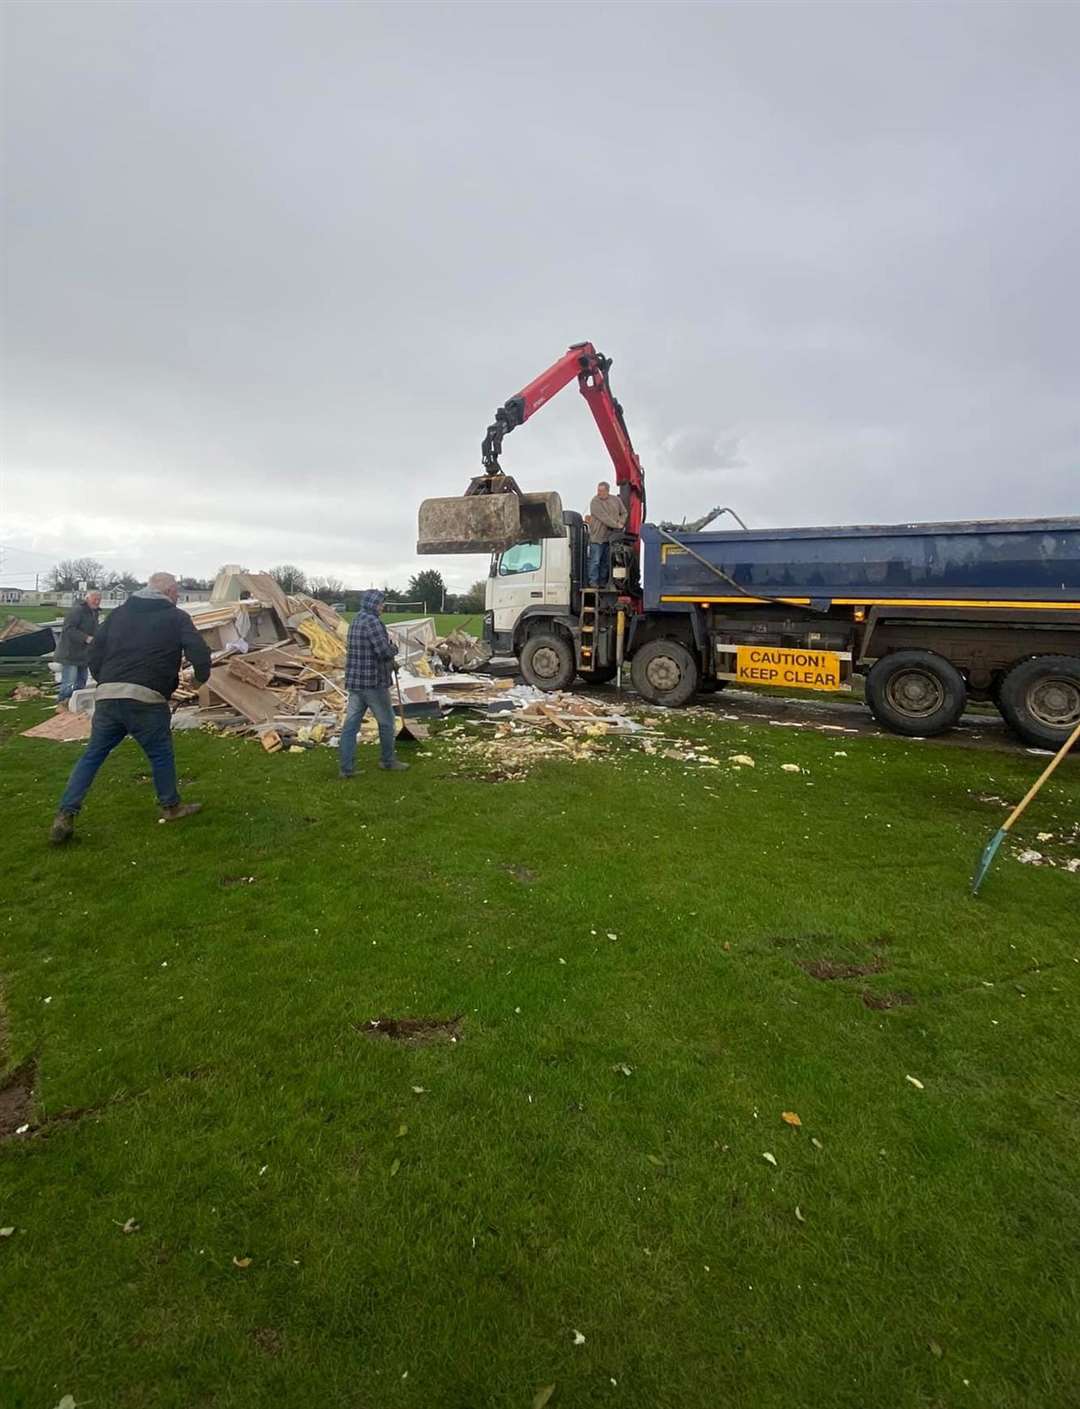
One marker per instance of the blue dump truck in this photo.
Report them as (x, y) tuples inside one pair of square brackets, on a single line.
[(928, 616)]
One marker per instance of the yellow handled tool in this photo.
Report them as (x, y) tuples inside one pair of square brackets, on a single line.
[(990, 849)]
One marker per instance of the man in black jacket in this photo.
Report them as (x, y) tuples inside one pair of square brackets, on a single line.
[(135, 658), (73, 648)]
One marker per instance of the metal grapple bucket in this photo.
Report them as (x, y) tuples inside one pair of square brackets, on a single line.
[(488, 523)]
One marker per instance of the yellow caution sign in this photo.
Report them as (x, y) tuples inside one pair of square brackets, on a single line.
[(779, 665)]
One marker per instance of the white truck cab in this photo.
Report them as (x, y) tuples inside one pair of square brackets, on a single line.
[(533, 606), (528, 575)]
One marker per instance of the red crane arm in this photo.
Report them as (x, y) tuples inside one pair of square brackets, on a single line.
[(591, 370)]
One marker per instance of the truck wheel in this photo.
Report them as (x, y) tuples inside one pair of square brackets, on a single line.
[(1040, 699), (664, 673), (602, 675), (548, 662), (916, 693)]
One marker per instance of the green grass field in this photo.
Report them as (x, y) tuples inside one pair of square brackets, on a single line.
[(31, 613), (446, 622), (576, 1193)]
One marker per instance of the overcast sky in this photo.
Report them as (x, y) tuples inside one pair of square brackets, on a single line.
[(270, 268)]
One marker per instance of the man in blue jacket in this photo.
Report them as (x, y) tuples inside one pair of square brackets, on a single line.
[(369, 660), (135, 658)]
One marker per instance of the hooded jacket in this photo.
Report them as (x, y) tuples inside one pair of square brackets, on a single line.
[(143, 642), (369, 652)]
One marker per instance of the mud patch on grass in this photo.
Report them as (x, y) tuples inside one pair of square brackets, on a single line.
[(415, 1031), (228, 881), (522, 874), (17, 1100), (881, 1001), (827, 969), (268, 1341)]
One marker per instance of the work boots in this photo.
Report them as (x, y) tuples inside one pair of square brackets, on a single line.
[(180, 809), (62, 829)]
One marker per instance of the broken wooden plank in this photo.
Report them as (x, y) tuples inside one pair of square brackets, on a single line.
[(253, 703), (62, 727), (249, 672)]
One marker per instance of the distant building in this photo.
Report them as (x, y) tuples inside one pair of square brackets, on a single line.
[(110, 597), (15, 596)]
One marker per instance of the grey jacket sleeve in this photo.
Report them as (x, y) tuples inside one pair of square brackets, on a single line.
[(97, 647)]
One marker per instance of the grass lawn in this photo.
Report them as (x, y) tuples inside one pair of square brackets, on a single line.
[(330, 1219), (446, 622), (37, 614)]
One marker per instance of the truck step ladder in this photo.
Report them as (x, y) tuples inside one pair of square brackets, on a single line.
[(590, 604)]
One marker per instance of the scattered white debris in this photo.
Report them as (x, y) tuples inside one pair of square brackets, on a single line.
[(790, 768), (579, 1339), (742, 760), (916, 1083), (1031, 857), (770, 1157)]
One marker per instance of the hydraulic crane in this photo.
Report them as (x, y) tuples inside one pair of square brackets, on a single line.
[(494, 513)]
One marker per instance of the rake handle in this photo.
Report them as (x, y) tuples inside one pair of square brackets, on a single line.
[(1073, 738)]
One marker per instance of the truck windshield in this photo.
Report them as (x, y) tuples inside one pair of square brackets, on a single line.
[(522, 557)]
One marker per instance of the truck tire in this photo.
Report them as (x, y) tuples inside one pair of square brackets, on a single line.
[(548, 662), (1040, 699), (915, 693), (664, 673), (602, 675)]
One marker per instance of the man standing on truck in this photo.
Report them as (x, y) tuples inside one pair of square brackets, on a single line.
[(73, 649), (606, 519), (369, 659), (135, 657)]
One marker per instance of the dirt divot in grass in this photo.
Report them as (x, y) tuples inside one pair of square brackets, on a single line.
[(522, 874), (227, 881), (268, 1341), (17, 1099), (415, 1031), (881, 1001), (826, 969)]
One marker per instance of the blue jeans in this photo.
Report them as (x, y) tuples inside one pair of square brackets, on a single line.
[(149, 726), (377, 699), (72, 677), (599, 560)]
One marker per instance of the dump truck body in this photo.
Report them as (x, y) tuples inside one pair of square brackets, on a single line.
[(1026, 561), (923, 616)]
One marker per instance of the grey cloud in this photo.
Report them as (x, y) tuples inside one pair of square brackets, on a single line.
[(269, 268), (694, 450)]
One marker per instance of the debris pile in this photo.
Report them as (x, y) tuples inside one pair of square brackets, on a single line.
[(277, 665), (529, 726)]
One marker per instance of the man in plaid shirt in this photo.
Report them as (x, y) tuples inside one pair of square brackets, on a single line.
[(369, 657)]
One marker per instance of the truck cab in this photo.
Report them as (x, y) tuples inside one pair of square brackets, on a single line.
[(534, 586)]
